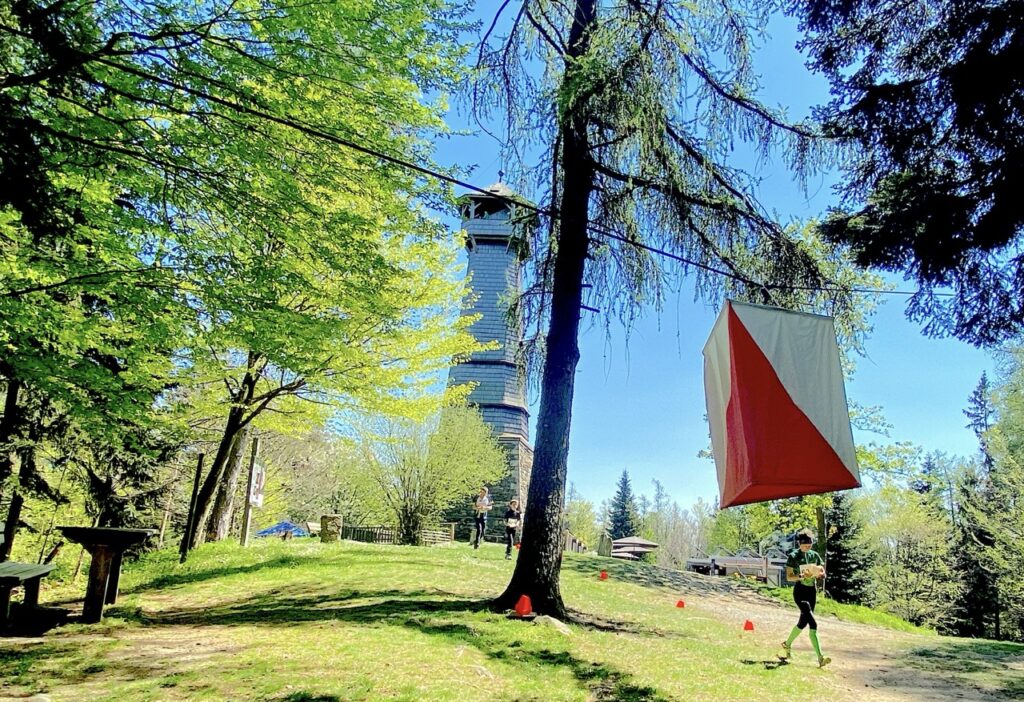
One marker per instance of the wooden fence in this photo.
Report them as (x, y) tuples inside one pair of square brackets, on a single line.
[(573, 544), (443, 534)]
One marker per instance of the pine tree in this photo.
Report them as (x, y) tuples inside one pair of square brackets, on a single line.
[(981, 415), (978, 606), (623, 510), (847, 561)]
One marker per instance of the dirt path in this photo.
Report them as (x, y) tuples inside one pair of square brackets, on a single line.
[(871, 663)]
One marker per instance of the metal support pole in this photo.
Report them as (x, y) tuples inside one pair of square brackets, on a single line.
[(247, 518), (186, 540)]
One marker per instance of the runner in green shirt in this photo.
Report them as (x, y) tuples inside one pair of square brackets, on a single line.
[(805, 594)]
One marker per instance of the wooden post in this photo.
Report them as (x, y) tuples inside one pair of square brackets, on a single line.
[(167, 508), (190, 520), (247, 518), (5, 603), (96, 590), (114, 581)]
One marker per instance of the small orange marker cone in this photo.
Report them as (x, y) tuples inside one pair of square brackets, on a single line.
[(680, 604), (604, 575), (524, 606), (748, 625), (517, 546)]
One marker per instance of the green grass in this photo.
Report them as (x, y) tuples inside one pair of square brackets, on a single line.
[(309, 622), (849, 613), (981, 662)]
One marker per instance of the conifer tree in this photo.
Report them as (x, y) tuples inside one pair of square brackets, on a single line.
[(847, 560), (623, 510)]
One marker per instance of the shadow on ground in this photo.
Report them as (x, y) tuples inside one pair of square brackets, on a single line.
[(769, 664), (997, 663), (648, 575), (423, 611), (197, 576)]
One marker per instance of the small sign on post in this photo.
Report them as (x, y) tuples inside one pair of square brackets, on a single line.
[(254, 491), (259, 478)]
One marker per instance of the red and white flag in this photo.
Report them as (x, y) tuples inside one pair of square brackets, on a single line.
[(780, 426)]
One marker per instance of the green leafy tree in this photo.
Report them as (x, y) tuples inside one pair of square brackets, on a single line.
[(581, 518), (730, 530), (421, 468), (622, 515), (227, 173), (932, 184), (908, 541)]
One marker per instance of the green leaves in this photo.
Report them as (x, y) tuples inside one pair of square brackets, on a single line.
[(194, 240)]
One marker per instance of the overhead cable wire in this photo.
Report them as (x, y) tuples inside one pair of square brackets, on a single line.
[(443, 177)]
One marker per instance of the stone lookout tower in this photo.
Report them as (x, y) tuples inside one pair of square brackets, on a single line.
[(497, 243)]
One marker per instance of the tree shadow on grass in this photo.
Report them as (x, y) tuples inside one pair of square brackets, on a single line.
[(997, 662), (283, 608), (603, 682), (654, 576), (420, 610), (615, 626), (197, 576)]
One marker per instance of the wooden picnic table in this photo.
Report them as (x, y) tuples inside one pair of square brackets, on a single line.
[(107, 546), (13, 574)]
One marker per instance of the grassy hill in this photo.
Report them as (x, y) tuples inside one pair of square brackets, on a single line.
[(302, 621)]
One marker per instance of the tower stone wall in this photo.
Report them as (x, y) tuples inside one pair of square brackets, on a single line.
[(495, 252)]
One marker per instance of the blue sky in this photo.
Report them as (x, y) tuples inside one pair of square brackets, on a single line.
[(639, 405)]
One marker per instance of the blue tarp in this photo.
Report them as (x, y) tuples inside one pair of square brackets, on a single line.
[(282, 527)]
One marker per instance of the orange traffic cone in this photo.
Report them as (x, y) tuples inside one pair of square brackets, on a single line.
[(748, 625), (680, 604), (524, 606), (604, 575)]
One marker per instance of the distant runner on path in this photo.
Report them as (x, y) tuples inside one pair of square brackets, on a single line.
[(512, 519), (802, 567), (481, 506)]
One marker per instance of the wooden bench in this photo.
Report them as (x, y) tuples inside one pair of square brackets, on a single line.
[(12, 575)]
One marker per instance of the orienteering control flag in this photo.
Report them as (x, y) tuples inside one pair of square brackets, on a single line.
[(780, 426)]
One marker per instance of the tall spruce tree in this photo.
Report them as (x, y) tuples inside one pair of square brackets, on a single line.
[(847, 559), (623, 515), (980, 415), (977, 609)]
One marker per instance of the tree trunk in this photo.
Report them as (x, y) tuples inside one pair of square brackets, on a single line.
[(236, 421), (28, 467), (540, 555), (410, 529), (167, 510), (204, 501), (223, 508), (9, 424)]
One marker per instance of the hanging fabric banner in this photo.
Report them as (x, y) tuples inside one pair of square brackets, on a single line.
[(780, 426)]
